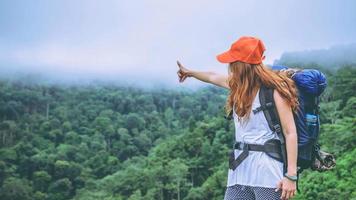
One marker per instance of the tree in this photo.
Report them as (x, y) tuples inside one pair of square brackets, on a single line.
[(60, 189), (16, 189), (8, 130), (350, 108), (133, 120), (41, 180), (177, 173), (65, 169)]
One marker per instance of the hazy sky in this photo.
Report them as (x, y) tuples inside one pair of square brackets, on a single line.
[(140, 41)]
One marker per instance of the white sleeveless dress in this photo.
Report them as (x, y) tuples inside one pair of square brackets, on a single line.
[(258, 169)]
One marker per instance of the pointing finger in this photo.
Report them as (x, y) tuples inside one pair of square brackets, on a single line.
[(180, 65), (184, 78)]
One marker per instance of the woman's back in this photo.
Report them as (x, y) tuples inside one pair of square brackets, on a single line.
[(258, 169), (256, 129)]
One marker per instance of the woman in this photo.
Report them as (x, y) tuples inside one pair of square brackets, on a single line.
[(258, 176)]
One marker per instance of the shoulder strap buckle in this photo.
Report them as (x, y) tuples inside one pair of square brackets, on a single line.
[(263, 107), (277, 128)]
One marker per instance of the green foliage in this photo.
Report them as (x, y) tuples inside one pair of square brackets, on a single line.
[(339, 137), (65, 169), (16, 189), (41, 180), (350, 107), (336, 184), (116, 143), (60, 189)]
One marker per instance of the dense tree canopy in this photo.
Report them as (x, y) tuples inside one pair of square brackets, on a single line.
[(110, 142)]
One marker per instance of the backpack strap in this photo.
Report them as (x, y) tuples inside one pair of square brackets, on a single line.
[(270, 112), (272, 117)]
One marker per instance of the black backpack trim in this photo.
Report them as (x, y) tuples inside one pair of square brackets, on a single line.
[(270, 112)]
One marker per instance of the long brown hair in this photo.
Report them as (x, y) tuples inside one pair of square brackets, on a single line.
[(244, 81)]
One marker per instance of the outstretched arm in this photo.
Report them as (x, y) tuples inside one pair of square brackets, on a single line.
[(205, 76)]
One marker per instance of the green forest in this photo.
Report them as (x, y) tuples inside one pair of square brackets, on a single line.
[(110, 142)]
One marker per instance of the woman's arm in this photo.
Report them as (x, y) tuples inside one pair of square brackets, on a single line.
[(205, 76), (290, 134)]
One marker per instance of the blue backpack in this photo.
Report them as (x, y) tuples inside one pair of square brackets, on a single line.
[(310, 83)]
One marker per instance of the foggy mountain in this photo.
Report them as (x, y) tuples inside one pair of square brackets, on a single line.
[(331, 58)]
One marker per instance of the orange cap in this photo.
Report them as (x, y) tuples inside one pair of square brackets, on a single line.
[(246, 49)]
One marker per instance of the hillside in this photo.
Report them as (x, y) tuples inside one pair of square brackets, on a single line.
[(331, 58), (109, 142)]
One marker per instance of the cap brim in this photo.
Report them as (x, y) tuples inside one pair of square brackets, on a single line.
[(225, 57)]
